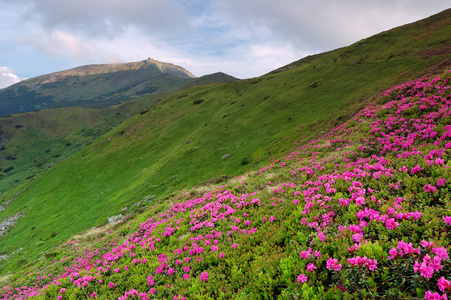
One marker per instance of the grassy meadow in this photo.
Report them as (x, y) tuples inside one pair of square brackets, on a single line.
[(228, 146)]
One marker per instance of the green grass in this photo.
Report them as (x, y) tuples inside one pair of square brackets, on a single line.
[(32, 142), (296, 216), (177, 144)]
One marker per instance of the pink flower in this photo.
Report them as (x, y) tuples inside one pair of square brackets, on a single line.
[(441, 252), (415, 169), (204, 276), (361, 261), (441, 182), (439, 161), (443, 284), (425, 269), (429, 188), (332, 263), (93, 294), (306, 253), (447, 219), (355, 228), (302, 278), (426, 244), (371, 264), (116, 270), (357, 237), (62, 290), (360, 200), (393, 253), (391, 224), (150, 280), (171, 271), (111, 285), (234, 245), (185, 277), (434, 296), (221, 255), (407, 248), (311, 267)]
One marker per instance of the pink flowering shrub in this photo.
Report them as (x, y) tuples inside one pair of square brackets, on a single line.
[(204, 276), (363, 212)]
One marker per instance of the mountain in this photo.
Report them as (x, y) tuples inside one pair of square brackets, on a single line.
[(94, 86), (238, 166), (34, 141)]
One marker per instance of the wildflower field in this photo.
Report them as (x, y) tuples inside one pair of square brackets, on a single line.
[(363, 212), (202, 135)]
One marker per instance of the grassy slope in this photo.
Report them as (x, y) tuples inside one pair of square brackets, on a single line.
[(35, 141), (372, 194), (177, 144), (25, 139)]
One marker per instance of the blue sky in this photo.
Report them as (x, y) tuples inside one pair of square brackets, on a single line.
[(244, 38)]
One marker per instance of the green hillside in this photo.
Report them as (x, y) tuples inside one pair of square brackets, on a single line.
[(361, 213), (206, 134), (32, 142)]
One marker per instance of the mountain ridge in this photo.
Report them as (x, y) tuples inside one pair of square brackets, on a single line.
[(94, 69), (95, 86)]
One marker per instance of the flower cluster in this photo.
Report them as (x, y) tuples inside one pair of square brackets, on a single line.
[(330, 213)]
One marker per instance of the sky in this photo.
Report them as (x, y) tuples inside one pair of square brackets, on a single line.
[(243, 38)]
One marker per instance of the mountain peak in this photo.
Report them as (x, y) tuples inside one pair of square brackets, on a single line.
[(93, 86), (95, 69)]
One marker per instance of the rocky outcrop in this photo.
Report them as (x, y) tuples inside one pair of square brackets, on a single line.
[(6, 204), (9, 222)]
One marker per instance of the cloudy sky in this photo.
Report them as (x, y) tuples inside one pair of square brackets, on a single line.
[(244, 38)]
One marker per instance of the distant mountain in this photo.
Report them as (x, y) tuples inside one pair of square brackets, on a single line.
[(96, 86), (34, 141)]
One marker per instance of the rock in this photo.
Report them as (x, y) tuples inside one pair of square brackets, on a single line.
[(8, 222), (6, 204), (114, 219), (3, 257)]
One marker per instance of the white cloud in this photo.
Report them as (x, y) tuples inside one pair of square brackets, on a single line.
[(322, 25), (7, 77), (62, 44), (100, 18), (244, 38)]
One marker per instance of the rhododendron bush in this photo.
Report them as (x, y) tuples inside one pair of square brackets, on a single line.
[(363, 212)]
